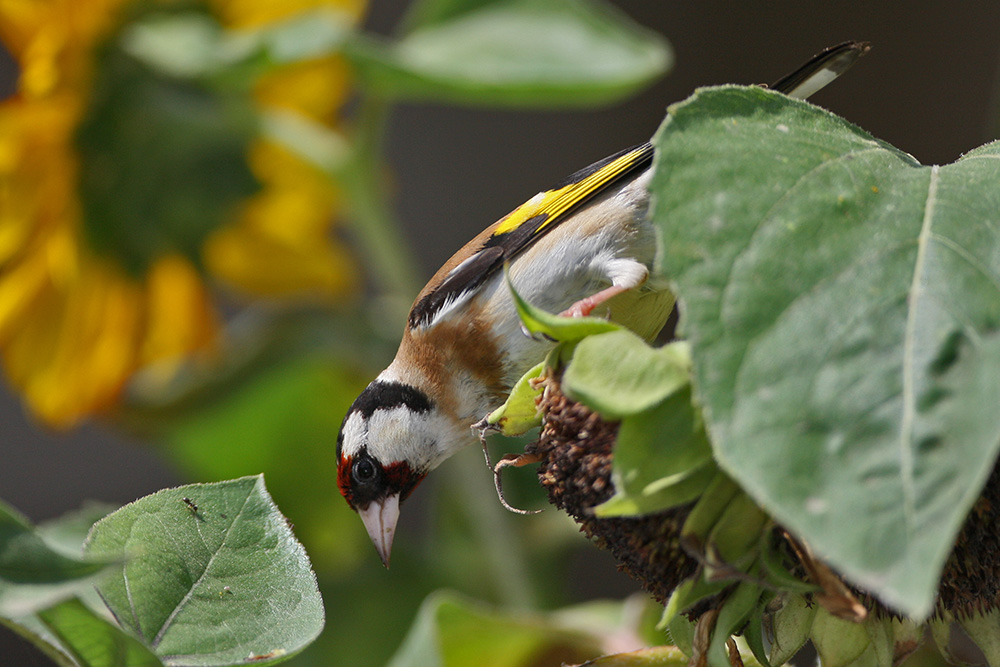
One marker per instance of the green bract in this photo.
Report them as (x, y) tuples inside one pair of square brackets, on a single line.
[(557, 327), (662, 459), (618, 374), (519, 413), (840, 300), (662, 456)]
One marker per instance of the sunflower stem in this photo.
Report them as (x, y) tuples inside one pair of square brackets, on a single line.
[(500, 545), (376, 228), (355, 165)]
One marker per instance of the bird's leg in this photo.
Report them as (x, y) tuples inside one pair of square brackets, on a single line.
[(484, 427), (585, 307), (624, 273), (515, 460)]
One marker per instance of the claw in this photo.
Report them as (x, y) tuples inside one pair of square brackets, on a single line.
[(515, 460), (483, 427), (540, 337)]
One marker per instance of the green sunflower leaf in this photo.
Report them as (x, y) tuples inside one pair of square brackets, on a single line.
[(214, 576), (840, 300), (451, 630), (73, 635)]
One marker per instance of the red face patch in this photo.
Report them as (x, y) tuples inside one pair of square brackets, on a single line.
[(380, 481), (344, 478), (401, 476)]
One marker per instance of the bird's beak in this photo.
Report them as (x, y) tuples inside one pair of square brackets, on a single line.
[(380, 519)]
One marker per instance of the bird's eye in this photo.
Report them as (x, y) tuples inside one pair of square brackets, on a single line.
[(364, 471)]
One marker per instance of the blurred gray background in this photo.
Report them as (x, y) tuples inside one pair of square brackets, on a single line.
[(929, 87)]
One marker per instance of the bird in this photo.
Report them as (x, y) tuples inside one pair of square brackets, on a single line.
[(583, 247)]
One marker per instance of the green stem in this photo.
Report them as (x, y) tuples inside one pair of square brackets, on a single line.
[(501, 546), (377, 231)]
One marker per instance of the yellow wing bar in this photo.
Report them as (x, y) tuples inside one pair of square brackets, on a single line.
[(555, 203), (524, 225)]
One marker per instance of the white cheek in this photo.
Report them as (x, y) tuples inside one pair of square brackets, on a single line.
[(354, 433), (399, 434), (422, 439)]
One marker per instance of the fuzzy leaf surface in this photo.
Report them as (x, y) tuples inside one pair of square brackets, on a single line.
[(217, 579), (838, 297)]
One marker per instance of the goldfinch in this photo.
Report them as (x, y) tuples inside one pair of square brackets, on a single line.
[(584, 246)]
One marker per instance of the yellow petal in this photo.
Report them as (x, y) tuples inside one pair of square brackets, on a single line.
[(27, 356), (180, 318), (53, 39), (37, 171), (74, 351), (317, 88), (295, 201), (250, 13), (256, 262), (98, 359), (20, 20), (20, 285)]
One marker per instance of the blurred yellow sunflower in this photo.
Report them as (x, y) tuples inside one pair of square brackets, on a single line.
[(75, 324)]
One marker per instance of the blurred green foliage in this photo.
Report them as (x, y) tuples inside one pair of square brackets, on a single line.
[(164, 160), (166, 135)]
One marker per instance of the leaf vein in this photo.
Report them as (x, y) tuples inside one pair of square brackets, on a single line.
[(969, 258), (208, 566), (131, 601), (906, 429)]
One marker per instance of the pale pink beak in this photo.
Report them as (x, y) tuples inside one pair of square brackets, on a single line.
[(380, 519)]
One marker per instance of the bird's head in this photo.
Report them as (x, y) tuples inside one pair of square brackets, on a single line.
[(391, 438)]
